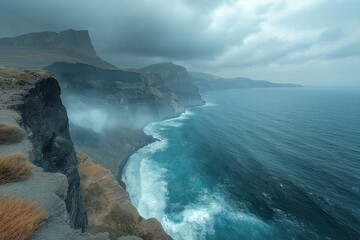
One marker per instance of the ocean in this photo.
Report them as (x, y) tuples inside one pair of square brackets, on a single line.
[(272, 163)]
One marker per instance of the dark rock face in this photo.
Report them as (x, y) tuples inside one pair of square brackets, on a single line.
[(36, 96), (132, 98), (163, 92)]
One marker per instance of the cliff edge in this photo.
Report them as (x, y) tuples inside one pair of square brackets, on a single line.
[(32, 100)]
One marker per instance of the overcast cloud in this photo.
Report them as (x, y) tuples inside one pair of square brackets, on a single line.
[(301, 41)]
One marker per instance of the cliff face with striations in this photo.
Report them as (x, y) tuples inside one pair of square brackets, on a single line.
[(164, 92), (131, 99), (35, 96)]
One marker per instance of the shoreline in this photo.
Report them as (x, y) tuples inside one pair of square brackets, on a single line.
[(122, 164), (151, 139)]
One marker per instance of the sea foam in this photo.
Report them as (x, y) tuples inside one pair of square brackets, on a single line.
[(146, 183)]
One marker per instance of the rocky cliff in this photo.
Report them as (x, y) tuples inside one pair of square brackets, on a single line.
[(36, 50), (163, 92), (33, 99), (127, 100), (207, 82)]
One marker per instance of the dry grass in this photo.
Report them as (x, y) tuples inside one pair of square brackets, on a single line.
[(23, 74), (18, 218), (14, 167), (10, 133)]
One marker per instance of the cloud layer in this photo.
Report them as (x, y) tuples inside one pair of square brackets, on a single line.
[(278, 40)]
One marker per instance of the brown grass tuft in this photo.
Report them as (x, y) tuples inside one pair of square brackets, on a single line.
[(14, 167), (18, 218), (10, 133)]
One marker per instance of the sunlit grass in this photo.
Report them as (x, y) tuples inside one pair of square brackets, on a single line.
[(10, 133), (18, 218), (14, 167)]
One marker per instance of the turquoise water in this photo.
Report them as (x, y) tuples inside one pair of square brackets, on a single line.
[(255, 164)]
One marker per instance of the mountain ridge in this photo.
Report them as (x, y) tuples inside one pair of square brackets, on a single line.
[(208, 82), (37, 50)]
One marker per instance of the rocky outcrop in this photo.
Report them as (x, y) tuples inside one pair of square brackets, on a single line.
[(32, 99), (36, 50), (207, 82), (162, 93), (176, 79), (108, 205)]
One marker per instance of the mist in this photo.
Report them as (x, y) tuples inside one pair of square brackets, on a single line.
[(101, 118), (96, 119)]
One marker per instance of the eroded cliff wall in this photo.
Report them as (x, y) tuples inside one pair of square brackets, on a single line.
[(35, 96), (123, 101), (164, 93)]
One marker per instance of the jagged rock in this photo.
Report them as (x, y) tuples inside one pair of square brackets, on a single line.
[(108, 205), (32, 99)]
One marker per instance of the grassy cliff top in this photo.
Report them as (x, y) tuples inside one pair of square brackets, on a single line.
[(9, 75)]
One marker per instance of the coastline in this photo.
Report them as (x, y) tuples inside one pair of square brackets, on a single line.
[(122, 164), (150, 139)]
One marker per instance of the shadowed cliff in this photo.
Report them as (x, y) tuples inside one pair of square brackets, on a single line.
[(35, 96), (163, 93), (107, 108)]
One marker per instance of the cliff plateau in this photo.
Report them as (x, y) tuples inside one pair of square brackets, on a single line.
[(36, 50)]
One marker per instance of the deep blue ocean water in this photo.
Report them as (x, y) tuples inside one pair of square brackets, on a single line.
[(255, 164)]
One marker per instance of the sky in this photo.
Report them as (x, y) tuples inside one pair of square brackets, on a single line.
[(310, 42)]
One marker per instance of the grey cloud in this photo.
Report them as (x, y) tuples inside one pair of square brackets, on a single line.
[(331, 35), (133, 33), (350, 50), (323, 14), (177, 29)]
